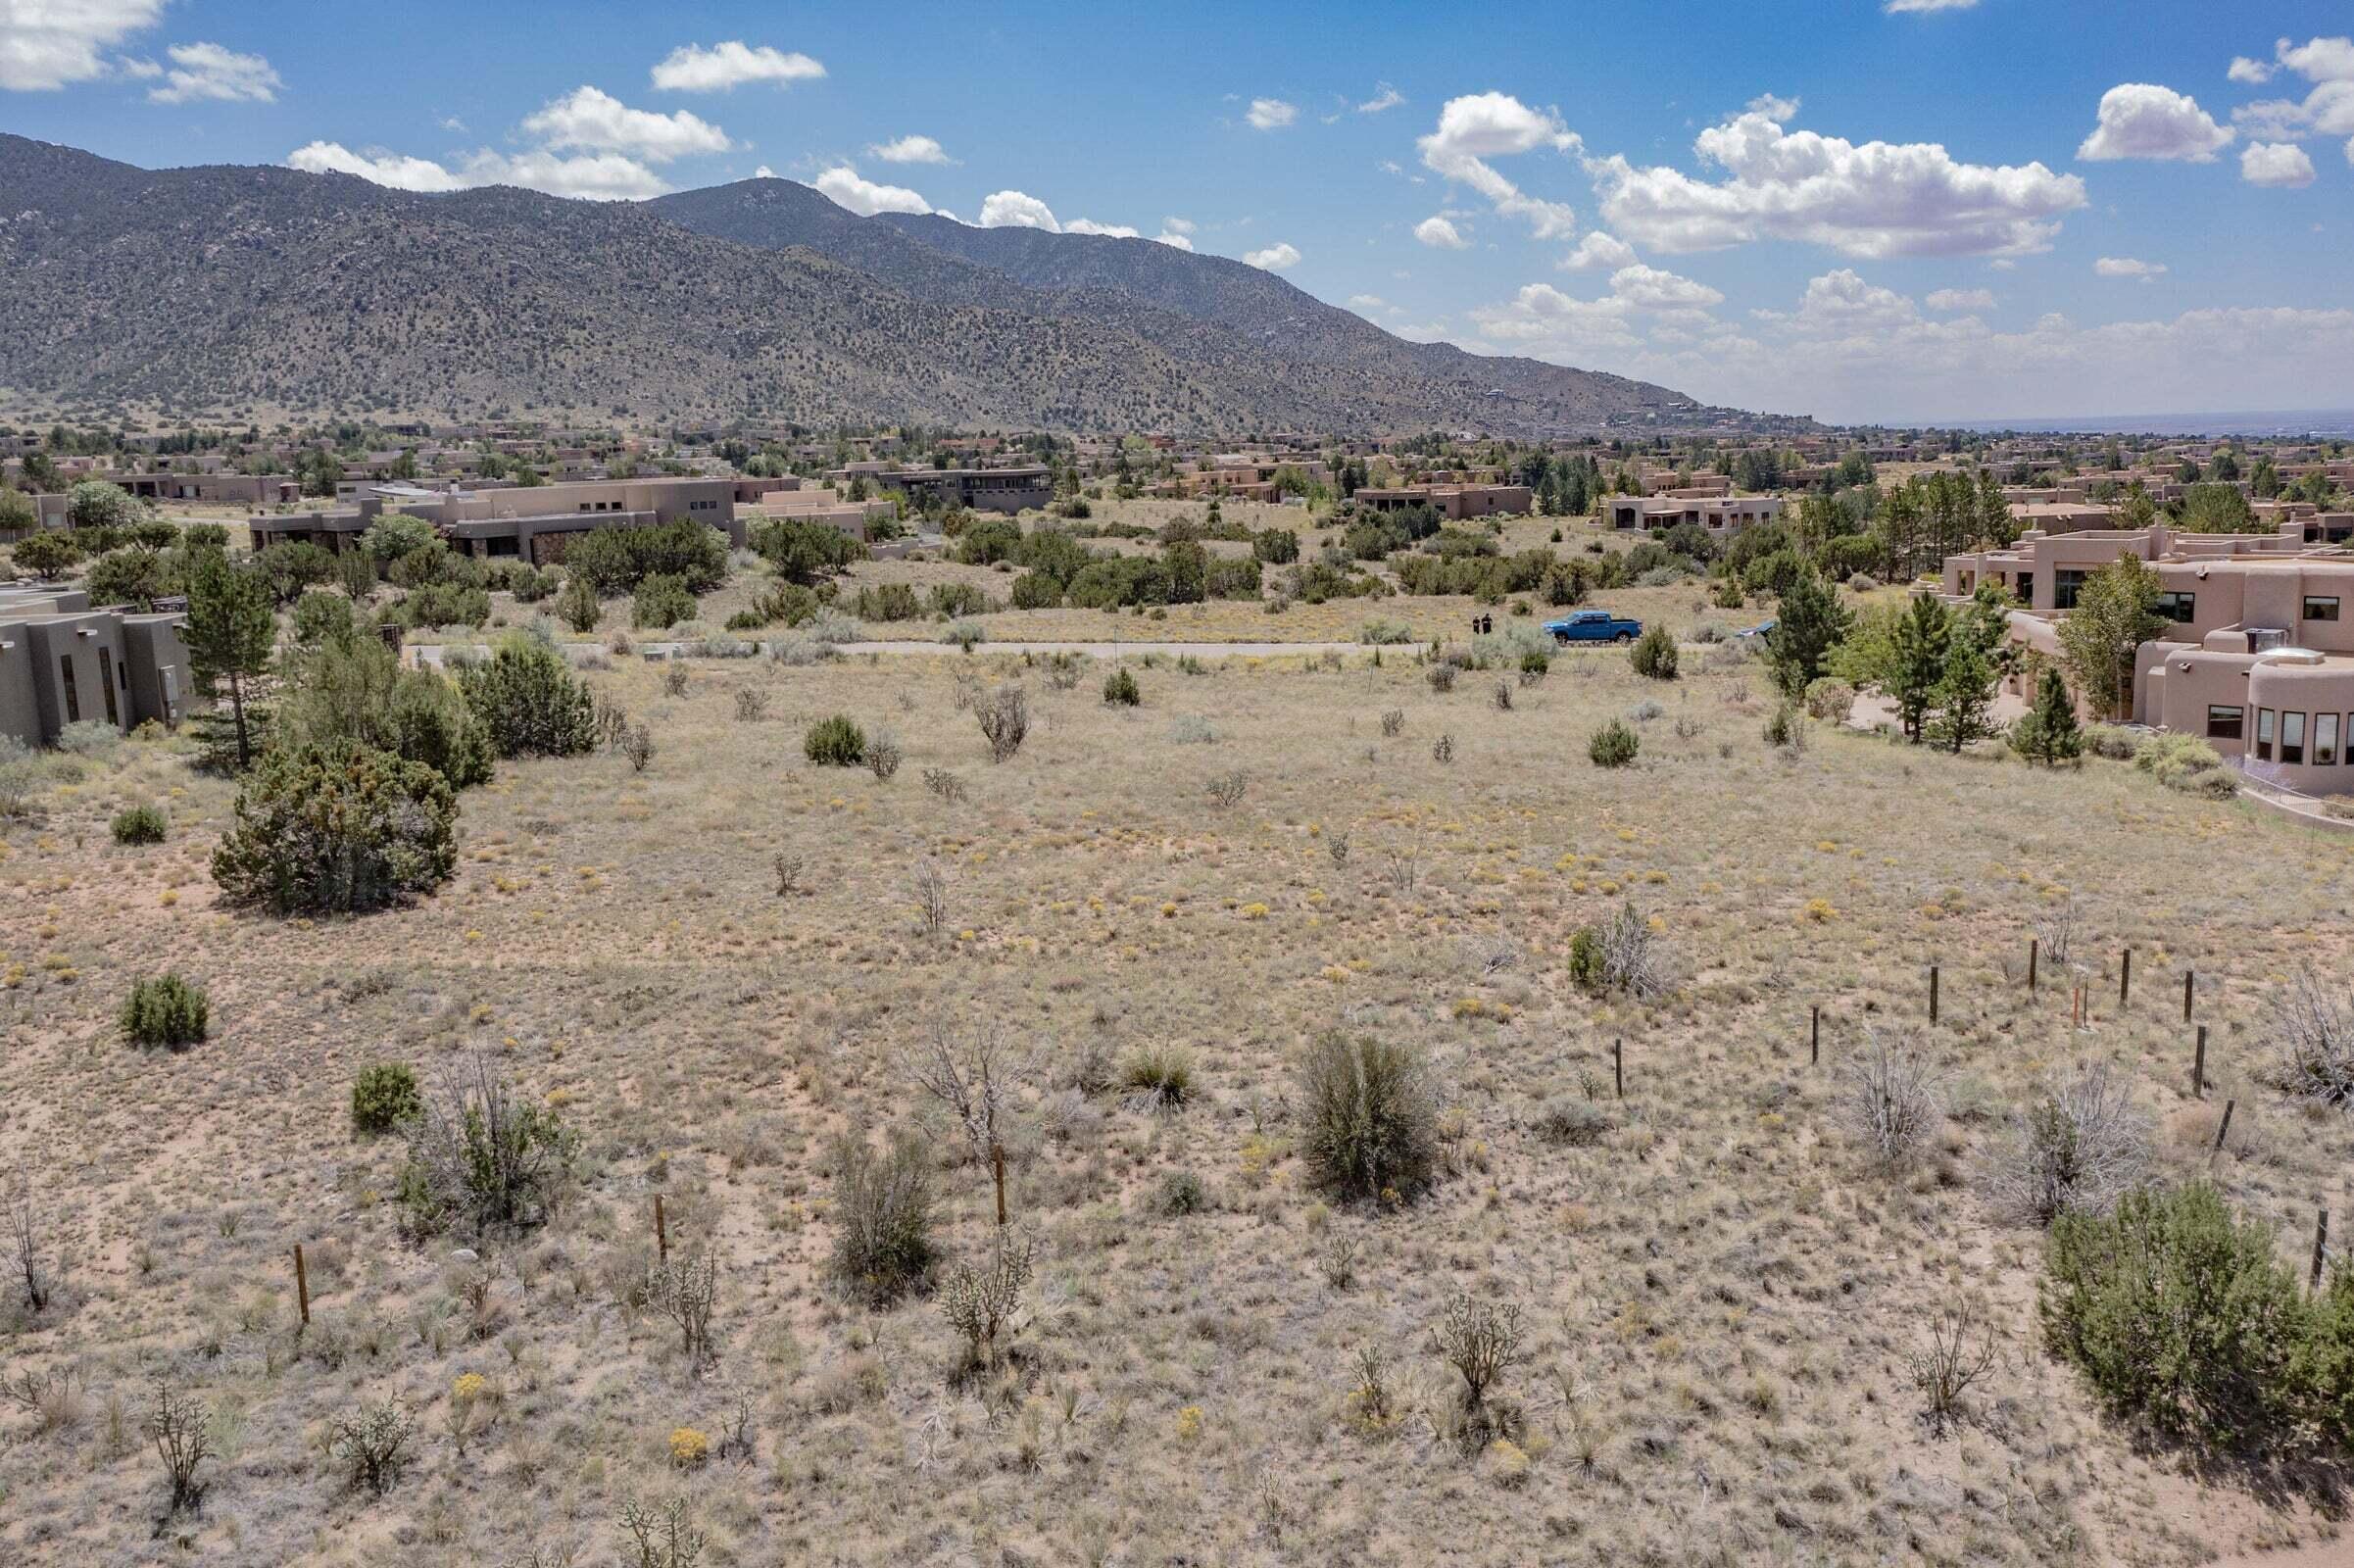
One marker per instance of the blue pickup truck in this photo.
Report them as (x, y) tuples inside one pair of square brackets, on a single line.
[(1594, 626)]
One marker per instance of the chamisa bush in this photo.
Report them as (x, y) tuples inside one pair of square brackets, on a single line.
[(2182, 1314), (529, 701), (139, 824), (336, 829), (1654, 653), (1369, 1118), (1614, 745), (835, 742), (482, 1158), (384, 1097), (1119, 689), (663, 601), (166, 1011), (883, 1248)]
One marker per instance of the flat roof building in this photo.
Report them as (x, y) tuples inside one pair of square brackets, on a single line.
[(62, 662)]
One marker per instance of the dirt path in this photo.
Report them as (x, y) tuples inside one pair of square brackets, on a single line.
[(436, 653)]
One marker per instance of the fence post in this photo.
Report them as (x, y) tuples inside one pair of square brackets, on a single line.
[(302, 1284), (1618, 1067), (996, 1166), (1932, 994), (2189, 983), (1814, 1050), (2034, 951), (2320, 1245), (2198, 1067), (2125, 979), (662, 1230), (2230, 1106)]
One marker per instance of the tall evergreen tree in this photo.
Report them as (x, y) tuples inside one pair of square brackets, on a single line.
[(1924, 643), (2048, 732), (1810, 622), (232, 631)]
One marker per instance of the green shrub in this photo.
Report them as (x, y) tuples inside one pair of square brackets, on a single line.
[(663, 601), (2111, 741), (1163, 1072), (384, 1095), (2179, 1313), (1586, 959), (835, 742), (139, 824), (1614, 745), (1830, 698), (1384, 633), (1574, 1122), (321, 614), (958, 599), (529, 702), (890, 600), (1181, 1194), (1655, 654), (1119, 689), (616, 561), (166, 1011), (336, 829), (1369, 1122), (883, 1247), (352, 687), (483, 1159), (2188, 763)]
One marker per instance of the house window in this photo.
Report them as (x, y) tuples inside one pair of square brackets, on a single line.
[(2292, 738), (2176, 607), (65, 666), (2319, 607), (2264, 734), (2225, 723), (106, 681), (2324, 740), (2065, 581)]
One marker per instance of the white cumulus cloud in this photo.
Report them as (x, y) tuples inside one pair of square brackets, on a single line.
[(1014, 208), (2250, 73), (2280, 165), (48, 44), (1925, 7), (845, 187), (1383, 98), (2142, 120), (376, 165), (2327, 110), (590, 119), (2128, 267), (1440, 234), (1178, 225), (1275, 258), (1599, 248), (1088, 226), (1174, 240), (1876, 199), (1961, 299), (691, 67), (910, 150), (588, 177), (1480, 126), (1271, 113), (202, 71)]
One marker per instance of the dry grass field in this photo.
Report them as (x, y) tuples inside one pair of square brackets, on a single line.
[(1723, 1293)]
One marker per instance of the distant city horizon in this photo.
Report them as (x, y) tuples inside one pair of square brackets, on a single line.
[(2317, 423)]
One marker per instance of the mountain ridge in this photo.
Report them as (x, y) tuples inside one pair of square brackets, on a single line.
[(228, 291)]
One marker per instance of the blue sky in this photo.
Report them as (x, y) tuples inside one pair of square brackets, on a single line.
[(1921, 208)]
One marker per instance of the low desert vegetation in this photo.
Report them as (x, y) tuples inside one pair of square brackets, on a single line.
[(1396, 1115)]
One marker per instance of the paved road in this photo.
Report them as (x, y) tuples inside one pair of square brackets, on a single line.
[(436, 653)]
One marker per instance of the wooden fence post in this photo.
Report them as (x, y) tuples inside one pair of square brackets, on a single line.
[(302, 1284), (1814, 1048), (996, 1166), (2198, 1066), (2320, 1245), (2125, 979), (2230, 1106), (2034, 947), (662, 1230), (2190, 978), (1932, 994), (1618, 1067)]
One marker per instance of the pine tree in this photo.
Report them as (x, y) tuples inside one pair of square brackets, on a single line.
[(2048, 732), (1810, 622), (1964, 697), (232, 631), (1924, 644)]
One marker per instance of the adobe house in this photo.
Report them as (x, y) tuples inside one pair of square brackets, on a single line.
[(527, 522), (1718, 515), (62, 662)]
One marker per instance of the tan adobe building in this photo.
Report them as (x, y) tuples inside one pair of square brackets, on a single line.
[(2259, 657), (1716, 513), (532, 523), (1453, 502), (62, 662)]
